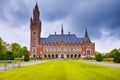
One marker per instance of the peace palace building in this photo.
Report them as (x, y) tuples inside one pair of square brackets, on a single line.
[(57, 45)]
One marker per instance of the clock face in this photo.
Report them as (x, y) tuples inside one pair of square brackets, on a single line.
[(34, 32)]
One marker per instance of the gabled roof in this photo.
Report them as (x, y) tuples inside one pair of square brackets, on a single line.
[(66, 38)]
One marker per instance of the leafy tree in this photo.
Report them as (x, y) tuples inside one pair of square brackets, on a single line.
[(11, 51), (2, 49), (2, 56), (2, 46), (9, 55), (20, 53), (111, 53), (99, 57), (26, 54), (15, 49), (116, 57)]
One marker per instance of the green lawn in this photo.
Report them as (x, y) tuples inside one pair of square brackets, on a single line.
[(1, 64), (62, 70)]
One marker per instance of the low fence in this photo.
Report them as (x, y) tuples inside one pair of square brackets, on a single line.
[(9, 64)]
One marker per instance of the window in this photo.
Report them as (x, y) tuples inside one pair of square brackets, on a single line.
[(34, 49), (56, 56), (52, 55), (79, 55), (67, 55), (75, 55), (48, 55), (44, 49), (45, 55), (88, 52), (71, 55)]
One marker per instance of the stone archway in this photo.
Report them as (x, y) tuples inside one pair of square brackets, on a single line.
[(62, 56)]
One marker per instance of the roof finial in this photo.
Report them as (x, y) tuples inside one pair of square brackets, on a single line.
[(62, 31)]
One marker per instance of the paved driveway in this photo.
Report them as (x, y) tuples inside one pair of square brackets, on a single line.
[(115, 65), (3, 68)]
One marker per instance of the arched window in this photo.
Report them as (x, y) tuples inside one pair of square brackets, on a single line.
[(79, 55), (88, 52), (56, 55), (75, 55), (67, 55), (45, 55), (71, 55), (34, 56), (34, 49), (48, 55), (52, 55)]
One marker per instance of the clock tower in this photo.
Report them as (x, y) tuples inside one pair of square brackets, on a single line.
[(35, 31)]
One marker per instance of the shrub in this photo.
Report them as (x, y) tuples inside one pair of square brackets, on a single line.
[(99, 57)]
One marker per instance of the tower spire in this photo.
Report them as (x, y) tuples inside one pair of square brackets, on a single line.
[(62, 31), (86, 34), (36, 6), (36, 13)]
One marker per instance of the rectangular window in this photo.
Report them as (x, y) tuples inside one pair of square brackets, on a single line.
[(34, 49)]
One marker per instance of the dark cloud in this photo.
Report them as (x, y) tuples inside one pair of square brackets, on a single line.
[(79, 14), (96, 16), (91, 14), (56, 9), (15, 13)]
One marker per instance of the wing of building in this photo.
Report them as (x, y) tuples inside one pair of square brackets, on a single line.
[(58, 45)]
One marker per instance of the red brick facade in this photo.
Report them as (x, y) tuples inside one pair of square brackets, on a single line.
[(58, 45)]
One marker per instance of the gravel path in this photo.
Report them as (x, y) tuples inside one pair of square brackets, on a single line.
[(105, 64), (3, 68)]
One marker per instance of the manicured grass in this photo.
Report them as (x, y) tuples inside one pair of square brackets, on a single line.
[(1, 64), (62, 70)]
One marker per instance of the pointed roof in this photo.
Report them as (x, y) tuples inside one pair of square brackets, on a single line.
[(62, 31), (36, 6), (86, 34)]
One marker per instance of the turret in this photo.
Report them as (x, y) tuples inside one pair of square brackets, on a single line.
[(87, 36), (62, 31)]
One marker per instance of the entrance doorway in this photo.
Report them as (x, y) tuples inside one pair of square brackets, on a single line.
[(62, 56)]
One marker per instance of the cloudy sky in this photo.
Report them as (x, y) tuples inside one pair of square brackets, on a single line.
[(100, 17)]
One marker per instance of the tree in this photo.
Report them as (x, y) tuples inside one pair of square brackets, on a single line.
[(15, 49), (11, 51), (2, 49), (26, 54), (2, 56), (20, 53), (2, 46), (9, 55), (99, 57), (116, 57), (111, 53)]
